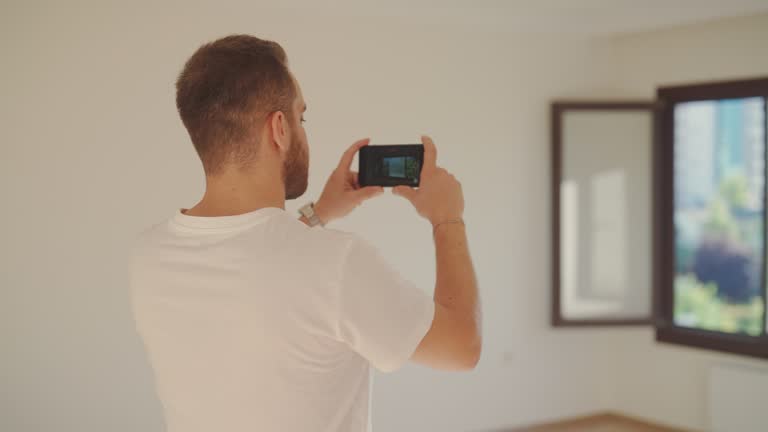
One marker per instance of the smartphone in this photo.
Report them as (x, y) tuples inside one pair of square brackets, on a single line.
[(390, 165)]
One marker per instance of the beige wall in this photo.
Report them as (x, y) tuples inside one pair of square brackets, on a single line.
[(665, 382), (93, 151)]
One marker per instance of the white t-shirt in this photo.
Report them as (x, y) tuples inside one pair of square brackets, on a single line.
[(257, 322)]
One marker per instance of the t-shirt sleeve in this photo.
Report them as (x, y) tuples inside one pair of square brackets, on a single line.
[(382, 316)]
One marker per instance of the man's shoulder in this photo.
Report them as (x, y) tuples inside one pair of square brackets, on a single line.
[(149, 233), (324, 237), (142, 241)]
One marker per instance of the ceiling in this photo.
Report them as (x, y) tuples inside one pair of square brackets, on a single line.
[(594, 17)]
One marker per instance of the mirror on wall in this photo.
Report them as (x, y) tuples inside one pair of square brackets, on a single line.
[(602, 212)]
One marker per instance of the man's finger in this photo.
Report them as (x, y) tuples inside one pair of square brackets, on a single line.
[(430, 152), (406, 192), (368, 192), (346, 159)]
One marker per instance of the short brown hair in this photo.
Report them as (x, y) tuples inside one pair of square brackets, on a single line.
[(224, 88)]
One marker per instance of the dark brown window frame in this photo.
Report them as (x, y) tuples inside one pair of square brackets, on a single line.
[(664, 241), (559, 108)]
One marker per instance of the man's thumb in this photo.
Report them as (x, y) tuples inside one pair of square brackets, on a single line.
[(406, 192)]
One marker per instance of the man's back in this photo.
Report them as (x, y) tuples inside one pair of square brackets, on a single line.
[(258, 322)]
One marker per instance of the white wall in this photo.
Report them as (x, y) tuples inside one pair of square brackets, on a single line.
[(93, 151), (659, 381)]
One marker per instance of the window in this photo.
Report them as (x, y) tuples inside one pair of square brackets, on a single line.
[(710, 195), (659, 214)]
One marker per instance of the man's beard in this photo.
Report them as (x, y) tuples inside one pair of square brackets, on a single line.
[(295, 169)]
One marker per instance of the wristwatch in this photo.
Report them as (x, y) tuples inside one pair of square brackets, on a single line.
[(308, 211)]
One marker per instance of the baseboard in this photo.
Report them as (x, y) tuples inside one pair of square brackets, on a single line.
[(599, 421)]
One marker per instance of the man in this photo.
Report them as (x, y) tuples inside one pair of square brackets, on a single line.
[(255, 321)]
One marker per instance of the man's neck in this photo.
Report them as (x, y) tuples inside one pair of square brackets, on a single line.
[(229, 197)]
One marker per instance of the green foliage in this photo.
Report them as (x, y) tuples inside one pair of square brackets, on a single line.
[(411, 168), (697, 305), (735, 191), (684, 255), (720, 222)]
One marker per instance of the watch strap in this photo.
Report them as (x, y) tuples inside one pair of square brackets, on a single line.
[(308, 211)]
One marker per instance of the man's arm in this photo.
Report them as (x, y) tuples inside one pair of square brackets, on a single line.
[(454, 340), (304, 219)]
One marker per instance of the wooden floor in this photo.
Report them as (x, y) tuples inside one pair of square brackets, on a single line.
[(598, 423)]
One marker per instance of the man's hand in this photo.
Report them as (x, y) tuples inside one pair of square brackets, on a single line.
[(342, 192), (439, 197)]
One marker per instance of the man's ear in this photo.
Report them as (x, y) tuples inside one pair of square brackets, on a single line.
[(278, 130)]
